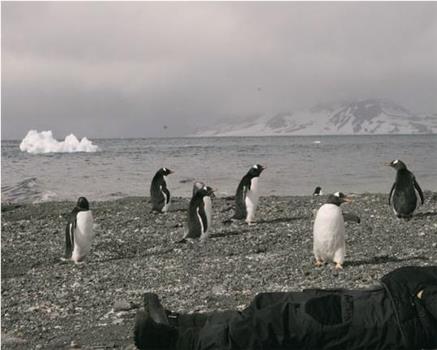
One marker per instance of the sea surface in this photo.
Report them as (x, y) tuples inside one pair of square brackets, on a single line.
[(295, 166)]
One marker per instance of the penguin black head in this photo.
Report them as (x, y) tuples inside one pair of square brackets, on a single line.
[(338, 198), (317, 191), (82, 203), (205, 191), (165, 171), (397, 164), (256, 170)]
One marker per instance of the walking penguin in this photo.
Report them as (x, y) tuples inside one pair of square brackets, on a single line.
[(79, 232), (246, 197), (199, 213), (405, 194), (159, 193), (329, 241)]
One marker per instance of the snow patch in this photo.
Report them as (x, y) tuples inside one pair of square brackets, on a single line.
[(43, 142)]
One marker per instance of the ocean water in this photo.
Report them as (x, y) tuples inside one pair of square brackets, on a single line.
[(295, 166)]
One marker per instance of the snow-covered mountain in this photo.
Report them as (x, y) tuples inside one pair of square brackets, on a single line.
[(371, 116)]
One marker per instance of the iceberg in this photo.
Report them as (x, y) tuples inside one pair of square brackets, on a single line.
[(43, 142)]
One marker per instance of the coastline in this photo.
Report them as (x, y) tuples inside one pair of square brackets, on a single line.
[(47, 304)]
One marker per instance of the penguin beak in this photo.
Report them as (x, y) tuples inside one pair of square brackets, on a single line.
[(387, 163), (170, 171)]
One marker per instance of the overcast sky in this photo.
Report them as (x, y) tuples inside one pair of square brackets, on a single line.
[(120, 69)]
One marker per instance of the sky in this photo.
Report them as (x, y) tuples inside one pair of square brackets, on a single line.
[(144, 69)]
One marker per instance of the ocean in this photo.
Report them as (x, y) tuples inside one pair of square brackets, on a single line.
[(295, 166)]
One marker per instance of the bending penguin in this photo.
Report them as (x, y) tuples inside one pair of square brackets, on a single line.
[(159, 193), (199, 213), (79, 232), (329, 240), (405, 193), (246, 197)]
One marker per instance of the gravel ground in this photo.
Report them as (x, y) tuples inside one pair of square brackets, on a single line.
[(47, 304)]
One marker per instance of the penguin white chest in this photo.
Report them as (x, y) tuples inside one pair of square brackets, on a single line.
[(208, 212), (251, 199), (329, 240), (166, 200), (83, 235)]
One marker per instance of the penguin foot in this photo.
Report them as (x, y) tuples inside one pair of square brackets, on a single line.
[(338, 266), (318, 263)]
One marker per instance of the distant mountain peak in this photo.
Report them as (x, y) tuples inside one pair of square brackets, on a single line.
[(367, 116)]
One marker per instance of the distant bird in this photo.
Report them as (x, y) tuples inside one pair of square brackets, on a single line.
[(405, 193), (159, 194), (79, 232), (318, 191), (199, 213), (329, 240), (246, 197)]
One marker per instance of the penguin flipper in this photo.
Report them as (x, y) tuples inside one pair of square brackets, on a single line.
[(167, 194), (69, 239), (419, 190), (391, 193), (240, 198)]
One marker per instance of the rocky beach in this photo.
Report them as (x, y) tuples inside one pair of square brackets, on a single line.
[(50, 304)]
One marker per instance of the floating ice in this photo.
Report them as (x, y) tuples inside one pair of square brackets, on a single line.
[(43, 142)]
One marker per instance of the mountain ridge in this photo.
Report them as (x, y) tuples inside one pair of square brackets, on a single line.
[(362, 117)]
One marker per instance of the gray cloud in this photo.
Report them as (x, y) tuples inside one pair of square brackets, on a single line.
[(120, 69)]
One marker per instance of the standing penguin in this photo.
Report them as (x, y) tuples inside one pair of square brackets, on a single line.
[(246, 198), (405, 193), (199, 213), (317, 191), (329, 240), (159, 194), (79, 232)]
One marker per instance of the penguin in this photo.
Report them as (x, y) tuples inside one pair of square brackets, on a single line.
[(199, 213), (328, 233), (318, 191), (79, 232), (197, 185), (159, 193), (246, 197), (405, 193)]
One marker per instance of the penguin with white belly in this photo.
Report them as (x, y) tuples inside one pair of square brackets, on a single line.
[(79, 232), (246, 197), (199, 213), (329, 233), (159, 193), (405, 195)]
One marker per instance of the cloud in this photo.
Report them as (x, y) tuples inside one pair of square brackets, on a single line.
[(108, 69)]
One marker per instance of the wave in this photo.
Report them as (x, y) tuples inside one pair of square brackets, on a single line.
[(43, 142), (29, 190)]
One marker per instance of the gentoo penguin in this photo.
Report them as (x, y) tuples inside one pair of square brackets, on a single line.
[(318, 191), (159, 193), (199, 213), (197, 185), (405, 192), (329, 240), (246, 197), (79, 232)]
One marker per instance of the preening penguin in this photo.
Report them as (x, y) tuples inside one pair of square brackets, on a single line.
[(329, 240), (199, 213), (405, 193), (159, 193), (246, 197), (79, 232)]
